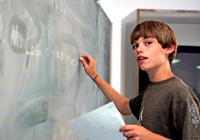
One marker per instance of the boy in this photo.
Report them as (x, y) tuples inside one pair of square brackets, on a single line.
[(167, 108)]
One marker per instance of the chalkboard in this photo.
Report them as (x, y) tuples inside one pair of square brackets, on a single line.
[(42, 82)]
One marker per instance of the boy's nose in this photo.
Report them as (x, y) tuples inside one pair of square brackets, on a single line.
[(139, 49)]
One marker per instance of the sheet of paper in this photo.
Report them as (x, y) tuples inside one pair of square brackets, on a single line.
[(100, 124)]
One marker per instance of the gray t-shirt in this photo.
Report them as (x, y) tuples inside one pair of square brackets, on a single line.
[(169, 108)]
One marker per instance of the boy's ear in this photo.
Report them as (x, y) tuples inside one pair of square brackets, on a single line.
[(170, 49)]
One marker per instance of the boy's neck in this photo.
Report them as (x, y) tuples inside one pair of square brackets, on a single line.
[(158, 76)]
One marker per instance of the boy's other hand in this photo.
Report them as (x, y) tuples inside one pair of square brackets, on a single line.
[(136, 132)]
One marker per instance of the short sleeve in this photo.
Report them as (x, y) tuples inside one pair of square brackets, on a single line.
[(186, 119), (135, 105)]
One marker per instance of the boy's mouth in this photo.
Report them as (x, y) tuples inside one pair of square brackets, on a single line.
[(140, 58)]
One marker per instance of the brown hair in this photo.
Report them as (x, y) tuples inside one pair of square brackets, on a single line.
[(159, 30)]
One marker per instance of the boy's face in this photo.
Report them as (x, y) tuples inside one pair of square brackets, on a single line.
[(149, 54)]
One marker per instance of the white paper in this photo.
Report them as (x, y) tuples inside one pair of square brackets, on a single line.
[(100, 124)]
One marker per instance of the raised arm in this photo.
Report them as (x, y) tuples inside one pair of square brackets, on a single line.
[(120, 101)]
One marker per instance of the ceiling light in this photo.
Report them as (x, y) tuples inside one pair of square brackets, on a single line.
[(176, 61), (198, 67)]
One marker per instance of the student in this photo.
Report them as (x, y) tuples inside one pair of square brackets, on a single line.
[(167, 108)]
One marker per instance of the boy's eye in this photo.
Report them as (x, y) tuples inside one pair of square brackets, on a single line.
[(135, 46), (148, 43)]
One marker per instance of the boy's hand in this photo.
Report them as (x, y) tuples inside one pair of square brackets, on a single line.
[(89, 65), (136, 132)]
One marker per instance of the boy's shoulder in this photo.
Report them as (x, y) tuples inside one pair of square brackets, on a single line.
[(180, 90), (173, 87), (177, 84)]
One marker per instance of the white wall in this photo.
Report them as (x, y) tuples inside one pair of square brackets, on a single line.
[(187, 34), (118, 9)]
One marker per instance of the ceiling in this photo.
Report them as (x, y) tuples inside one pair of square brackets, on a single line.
[(171, 16)]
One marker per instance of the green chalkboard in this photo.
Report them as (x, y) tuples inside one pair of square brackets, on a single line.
[(42, 82)]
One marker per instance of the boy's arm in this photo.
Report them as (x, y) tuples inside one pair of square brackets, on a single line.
[(120, 101)]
